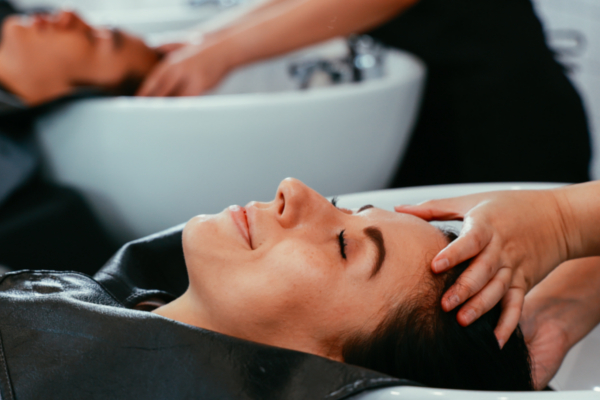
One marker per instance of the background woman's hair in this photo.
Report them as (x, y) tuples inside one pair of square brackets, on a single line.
[(421, 342)]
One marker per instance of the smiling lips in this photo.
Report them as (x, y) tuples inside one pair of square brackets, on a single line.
[(238, 214)]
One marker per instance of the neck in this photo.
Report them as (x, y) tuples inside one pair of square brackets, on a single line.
[(32, 90), (187, 310)]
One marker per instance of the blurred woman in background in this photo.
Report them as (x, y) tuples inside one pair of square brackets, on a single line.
[(45, 57)]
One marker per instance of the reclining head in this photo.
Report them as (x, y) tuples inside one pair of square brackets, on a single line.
[(350, 285), (44, 57), (419, 341)]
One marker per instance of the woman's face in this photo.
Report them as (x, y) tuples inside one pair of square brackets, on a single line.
[(299, 273), (62, 45)]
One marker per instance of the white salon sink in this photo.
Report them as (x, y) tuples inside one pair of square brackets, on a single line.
[(146, 164)]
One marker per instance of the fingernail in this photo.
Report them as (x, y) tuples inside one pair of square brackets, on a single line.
[(469, 316), (452, 301), (501, 343), (441, 265)]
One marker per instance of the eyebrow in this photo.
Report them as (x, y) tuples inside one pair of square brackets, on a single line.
[(375, 235), (363, 208)]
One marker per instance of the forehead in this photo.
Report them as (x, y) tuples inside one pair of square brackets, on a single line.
[(398, 224), (410, 242)]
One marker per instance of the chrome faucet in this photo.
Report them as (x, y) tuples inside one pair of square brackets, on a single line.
[(366, 60)]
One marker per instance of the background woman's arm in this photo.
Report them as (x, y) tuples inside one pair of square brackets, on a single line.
[(275, 28), (292, 24)]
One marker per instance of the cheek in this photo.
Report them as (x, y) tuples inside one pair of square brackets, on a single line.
[(289, 283), (68, 53), (113, 67)]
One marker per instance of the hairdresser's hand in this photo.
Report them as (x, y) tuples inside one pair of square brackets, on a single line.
[(188, 70), (558, 313), (547, 340), (515, 238)]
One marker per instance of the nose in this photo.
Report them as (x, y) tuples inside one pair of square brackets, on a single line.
[(66, 19), (295, 203)]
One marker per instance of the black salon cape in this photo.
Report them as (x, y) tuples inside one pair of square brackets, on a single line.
[(497, 106), (67, 336)]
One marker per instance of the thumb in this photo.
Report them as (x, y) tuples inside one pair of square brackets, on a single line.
[(433, 210), (454, 208)]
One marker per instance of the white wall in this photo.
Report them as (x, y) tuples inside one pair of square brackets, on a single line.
[(573, 28), (100, 5)]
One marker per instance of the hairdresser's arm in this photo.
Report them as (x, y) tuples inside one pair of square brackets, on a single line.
[(516, 238), (558, 313), (279, 27)]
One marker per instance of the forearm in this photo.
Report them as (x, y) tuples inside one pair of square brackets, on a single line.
[(281, 26), (580, 218)]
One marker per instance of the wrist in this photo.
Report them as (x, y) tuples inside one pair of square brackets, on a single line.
[(236, 46), (568, 229), (224, 49), (563, 234)]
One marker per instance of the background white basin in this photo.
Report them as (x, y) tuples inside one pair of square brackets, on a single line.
[(144, 17), (148, 164), (579, 373), (141, 17)]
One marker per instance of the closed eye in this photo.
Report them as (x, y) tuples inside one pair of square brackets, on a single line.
[(342, 241)]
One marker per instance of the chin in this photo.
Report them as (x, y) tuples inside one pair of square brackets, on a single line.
[(203, 233), (14, 33), (194, 226)]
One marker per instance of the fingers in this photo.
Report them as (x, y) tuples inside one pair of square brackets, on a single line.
[(152, 82), (512, 306), (161, 82), (194, 86), (473, 240), (485, 300), (482, 273), (444, 209), (433, 210)]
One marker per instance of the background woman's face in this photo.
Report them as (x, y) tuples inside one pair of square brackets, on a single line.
[(62, 43), (277, 272)]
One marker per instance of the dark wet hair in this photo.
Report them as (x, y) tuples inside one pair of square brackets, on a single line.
[(421, 342), (128, 85)]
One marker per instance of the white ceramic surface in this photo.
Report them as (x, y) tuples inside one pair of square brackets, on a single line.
[(141, 17), (147, 164), (581, 369), (413, 393)]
